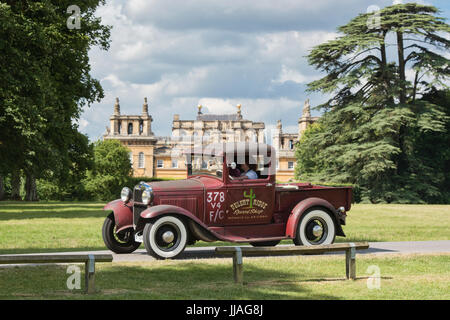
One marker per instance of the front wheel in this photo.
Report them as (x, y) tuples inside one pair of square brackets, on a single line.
[(122, 242), (165, 238), (316, 227)]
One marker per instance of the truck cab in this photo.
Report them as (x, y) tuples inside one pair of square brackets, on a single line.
[(230, 194)]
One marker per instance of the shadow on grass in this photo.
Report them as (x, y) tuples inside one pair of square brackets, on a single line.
[(189, 280)]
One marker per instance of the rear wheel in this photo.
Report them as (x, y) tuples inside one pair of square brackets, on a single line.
[(265, 243), (316, 227), (166, 237), (122, 242)]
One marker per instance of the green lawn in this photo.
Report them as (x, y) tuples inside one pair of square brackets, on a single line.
[(73, 226), (66, 226), (304, 277)]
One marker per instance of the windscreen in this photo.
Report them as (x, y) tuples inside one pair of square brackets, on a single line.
[(204, 165)]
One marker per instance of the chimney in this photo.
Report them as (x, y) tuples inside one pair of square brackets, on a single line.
[(306, 109), (117, 108), (145, 107)]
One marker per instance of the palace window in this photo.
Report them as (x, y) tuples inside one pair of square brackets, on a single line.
[(290, 165), (174, 164), (141, 160), (160, 164), (291, 144), (141, 126), (131, 158), (130, 128)]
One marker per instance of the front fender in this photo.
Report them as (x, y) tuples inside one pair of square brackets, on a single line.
[(301, 207), (197, 227), (123, 213)]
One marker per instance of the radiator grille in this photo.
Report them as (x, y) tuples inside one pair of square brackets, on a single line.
[(137, 195)]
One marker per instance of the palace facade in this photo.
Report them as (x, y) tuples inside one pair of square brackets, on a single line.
[(154, 156)]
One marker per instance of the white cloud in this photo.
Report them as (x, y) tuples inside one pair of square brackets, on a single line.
[(290, 75), (182, 53)]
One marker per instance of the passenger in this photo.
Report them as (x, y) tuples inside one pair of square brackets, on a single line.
[(233, 171)]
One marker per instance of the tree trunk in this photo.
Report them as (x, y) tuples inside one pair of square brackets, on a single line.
[(30, 187), (402, 163), (401, 66), (2, 188), (15, 185), (416, 81), (384, 72)]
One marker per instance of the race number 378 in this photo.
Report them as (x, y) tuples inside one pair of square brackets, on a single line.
[(215, 200)]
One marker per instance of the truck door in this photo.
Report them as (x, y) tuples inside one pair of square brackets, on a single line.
[(250, 202)]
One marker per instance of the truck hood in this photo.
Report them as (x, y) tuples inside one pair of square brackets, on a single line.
[(177, 185)]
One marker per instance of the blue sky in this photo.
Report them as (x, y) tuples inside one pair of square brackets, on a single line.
[(218, 53)]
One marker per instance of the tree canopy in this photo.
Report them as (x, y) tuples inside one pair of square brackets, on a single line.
[(45, 82), (111, 170), (388, 82)]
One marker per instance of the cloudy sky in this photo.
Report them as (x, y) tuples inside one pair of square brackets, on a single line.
[(218, 53)]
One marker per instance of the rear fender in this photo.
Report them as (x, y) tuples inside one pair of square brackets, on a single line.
[(302, 207), (123, 214)]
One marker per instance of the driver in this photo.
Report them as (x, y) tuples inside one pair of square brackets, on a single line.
[(248, 173)]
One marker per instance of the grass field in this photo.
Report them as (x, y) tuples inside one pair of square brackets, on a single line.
[(70, 226), (66, 226), (304, 277)]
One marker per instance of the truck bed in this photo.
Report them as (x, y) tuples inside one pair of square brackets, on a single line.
[(288, 195)]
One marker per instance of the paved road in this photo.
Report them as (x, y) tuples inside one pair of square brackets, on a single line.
[(406, 247)]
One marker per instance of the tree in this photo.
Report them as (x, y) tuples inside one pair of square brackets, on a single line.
[(68, 184), (371, 124), (45, 82), (111, 170)]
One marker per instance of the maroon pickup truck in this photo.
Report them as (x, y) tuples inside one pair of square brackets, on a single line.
[(219, 202)]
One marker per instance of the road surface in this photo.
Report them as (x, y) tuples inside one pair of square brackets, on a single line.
[(404, 247)]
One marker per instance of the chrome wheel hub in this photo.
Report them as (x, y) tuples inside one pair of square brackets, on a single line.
[(168, 236), (317, 231)]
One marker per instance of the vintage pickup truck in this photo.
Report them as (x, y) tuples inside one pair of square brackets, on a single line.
[(213, 205)]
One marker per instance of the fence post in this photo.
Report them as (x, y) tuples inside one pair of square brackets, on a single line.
[(350, 262), (90, 274), (238, 271)]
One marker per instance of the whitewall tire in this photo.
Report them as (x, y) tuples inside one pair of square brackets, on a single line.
[(165, 238), (316, 227)]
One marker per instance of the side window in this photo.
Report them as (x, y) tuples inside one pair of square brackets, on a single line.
[(160, 164)]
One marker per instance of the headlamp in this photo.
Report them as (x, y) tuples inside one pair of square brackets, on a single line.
[(147, 195), (125, 194)]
